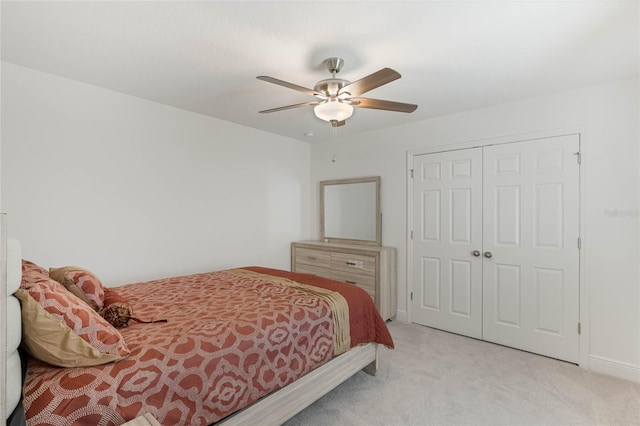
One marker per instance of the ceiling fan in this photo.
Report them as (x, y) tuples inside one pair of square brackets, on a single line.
[(337, 97)]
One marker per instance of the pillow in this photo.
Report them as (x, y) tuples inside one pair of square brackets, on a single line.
[(112, 296), (48, 339), (34, 272), (84, 279), (75, 290), (31, 271), (57, 304)]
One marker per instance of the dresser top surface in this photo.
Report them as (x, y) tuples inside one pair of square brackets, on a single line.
[(346, 247)]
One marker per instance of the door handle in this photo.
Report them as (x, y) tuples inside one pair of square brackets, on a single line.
[(476, 253), (488, 254)]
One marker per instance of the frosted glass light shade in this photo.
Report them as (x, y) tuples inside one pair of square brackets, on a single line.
[(333, 110)]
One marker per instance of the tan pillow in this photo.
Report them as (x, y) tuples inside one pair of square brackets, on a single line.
[(75, 290), (50, 340), (85, 280)]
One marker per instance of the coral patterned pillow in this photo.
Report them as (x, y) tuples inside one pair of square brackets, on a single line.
[(31, 271), (48, 339), (88, 282), (58, 304)]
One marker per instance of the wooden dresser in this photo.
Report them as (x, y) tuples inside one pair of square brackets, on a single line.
[(371, 267)]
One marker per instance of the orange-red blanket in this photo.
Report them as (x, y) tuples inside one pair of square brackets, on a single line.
[(230, 339)]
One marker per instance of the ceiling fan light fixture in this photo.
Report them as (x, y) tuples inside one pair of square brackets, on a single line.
[(333, 110), (336, 97)]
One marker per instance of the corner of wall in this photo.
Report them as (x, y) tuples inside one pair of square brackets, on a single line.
[(402, 316)]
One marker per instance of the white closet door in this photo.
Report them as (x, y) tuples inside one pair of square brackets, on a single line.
[(531, 230), (447, 217)]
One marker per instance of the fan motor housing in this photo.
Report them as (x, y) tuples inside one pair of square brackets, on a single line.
[(331, 86)]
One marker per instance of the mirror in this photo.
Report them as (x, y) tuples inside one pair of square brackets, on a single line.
[(350, 211)]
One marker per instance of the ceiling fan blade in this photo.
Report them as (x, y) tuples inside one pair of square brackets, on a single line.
[(370, 82), (282, 108), (380, 104), (290, 85)]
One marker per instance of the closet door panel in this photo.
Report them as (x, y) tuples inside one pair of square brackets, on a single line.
[(446, 276), (531, 225)]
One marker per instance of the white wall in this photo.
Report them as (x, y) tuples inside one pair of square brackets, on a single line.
[(608, 116), (136, 190)]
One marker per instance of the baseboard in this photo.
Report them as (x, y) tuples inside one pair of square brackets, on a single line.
[(597, 364), (402, 316), (614, 368)]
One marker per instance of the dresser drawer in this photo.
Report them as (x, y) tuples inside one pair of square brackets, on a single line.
[(313, 270), (354, 263), (317, 258), (371, 268), (366, 282)]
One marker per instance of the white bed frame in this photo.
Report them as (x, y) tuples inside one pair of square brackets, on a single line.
[(273, 409), (11, 326), (280, 406)]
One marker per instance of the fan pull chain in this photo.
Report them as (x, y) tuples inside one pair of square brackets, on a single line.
[(334, 134)]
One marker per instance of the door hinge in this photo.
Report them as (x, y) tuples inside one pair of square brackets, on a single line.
[(411, 173), (412, 235), (579, 328), (411, 295), (578, 157), (579, 243)]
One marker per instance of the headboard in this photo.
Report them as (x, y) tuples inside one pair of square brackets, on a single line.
[(13, 389)]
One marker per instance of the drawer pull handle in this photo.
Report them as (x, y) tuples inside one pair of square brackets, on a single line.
[(350, 263), (312, 258), (350, 282)]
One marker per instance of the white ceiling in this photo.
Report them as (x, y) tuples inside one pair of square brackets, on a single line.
[(204, 56)]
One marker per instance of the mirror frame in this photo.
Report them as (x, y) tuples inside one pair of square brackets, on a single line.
[(324, 184)]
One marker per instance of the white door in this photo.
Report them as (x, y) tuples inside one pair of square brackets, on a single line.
[(531, 229), (515, 205), (447, 215)]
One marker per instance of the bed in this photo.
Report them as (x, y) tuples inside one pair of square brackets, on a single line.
[(239, 346)]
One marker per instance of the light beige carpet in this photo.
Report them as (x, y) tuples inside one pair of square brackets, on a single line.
[(438, 378)]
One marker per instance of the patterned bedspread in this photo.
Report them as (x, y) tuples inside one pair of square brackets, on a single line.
[(232, 337)]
